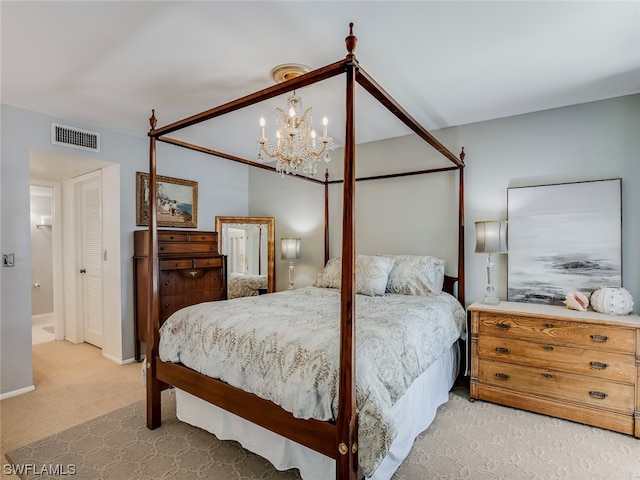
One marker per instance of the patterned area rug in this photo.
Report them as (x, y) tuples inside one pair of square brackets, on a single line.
[(467, 440)]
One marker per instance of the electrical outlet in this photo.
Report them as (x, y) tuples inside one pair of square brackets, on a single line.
[(7, 260)]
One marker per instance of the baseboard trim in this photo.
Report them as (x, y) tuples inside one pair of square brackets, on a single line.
[(15, 393), (117, 360)]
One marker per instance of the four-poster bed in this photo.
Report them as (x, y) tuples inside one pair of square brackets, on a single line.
[(337, 438)]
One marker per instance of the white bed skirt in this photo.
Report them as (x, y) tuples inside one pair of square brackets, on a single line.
[(414, 412)]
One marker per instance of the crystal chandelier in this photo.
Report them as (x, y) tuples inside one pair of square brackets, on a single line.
[(296, 147)]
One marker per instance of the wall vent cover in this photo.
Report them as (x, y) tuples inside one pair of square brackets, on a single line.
[(74, 137)]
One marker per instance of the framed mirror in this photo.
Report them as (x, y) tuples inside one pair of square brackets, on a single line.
[(249, 244)]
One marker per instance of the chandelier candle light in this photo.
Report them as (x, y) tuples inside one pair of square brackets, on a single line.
[(297, 146), (491, 237)]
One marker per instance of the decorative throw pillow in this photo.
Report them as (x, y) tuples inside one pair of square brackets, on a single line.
[(330, 275), (372, 274), (416, 275)]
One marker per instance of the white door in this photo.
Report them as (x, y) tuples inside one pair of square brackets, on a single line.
[(91, 260)]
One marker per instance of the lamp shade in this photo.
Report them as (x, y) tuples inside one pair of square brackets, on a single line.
[(290, 248), (491, 237)]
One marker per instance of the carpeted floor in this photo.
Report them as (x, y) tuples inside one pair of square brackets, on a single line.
[(467, 440)]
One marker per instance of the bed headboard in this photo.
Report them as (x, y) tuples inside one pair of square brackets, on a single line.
[(449, 284)]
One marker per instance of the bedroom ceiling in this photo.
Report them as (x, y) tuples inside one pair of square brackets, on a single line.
[(107, 64)]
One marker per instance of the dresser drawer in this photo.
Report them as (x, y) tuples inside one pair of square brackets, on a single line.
[(189, 248), (203, 237), (175, 264), (559, 331), (559, 385), (191, 280), (172, 303), (207, 262), (172, 237), (592, 362)]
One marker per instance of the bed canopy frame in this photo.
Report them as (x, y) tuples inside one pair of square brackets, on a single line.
[(337, 439)]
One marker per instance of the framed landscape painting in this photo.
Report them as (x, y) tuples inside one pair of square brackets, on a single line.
[(176, 199), (562, 238)]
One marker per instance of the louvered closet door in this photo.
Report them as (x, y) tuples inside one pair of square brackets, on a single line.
[(91, 269)]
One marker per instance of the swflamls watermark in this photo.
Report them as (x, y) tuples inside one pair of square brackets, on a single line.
[(38, 469)]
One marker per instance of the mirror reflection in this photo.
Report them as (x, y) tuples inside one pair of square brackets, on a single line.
[(248, 243)]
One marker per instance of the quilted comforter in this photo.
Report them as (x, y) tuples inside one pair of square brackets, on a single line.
[(284, 347)]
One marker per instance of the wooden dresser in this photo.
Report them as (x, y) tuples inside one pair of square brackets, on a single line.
[(190, 271), (581, 366)]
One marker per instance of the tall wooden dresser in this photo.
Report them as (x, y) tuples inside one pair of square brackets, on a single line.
[(191, 271), (580, 366)]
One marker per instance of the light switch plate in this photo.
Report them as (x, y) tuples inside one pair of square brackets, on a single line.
[(7, 260)]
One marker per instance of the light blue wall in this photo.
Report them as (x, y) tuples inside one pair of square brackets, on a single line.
[(223, 187), (582, 142), (592, 141)]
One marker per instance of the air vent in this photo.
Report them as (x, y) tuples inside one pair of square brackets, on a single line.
[(75, 137)]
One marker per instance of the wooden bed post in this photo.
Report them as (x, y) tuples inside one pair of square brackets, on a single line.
[(461, 279), (153, 385), (347, 420), (326, 216)]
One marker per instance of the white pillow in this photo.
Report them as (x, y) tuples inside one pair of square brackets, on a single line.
[(415, 275), (372, 274)]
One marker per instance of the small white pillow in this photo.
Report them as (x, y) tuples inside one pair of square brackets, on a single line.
[(372, 274), (416, 275)]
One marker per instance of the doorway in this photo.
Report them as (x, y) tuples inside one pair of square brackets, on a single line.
[(69, 172), (42, 284)]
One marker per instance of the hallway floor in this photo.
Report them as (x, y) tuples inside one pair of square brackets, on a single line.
[(42, 329)]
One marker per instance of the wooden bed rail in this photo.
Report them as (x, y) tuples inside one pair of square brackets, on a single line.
[(315, 434)]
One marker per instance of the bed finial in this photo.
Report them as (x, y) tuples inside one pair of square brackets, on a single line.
[(462, 154), (153, 121), (351, 40)]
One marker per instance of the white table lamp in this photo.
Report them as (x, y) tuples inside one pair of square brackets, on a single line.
[(491, 237)]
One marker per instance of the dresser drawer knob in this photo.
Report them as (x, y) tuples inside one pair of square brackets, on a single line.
[(598, 365), (503, 376), (193, 273), (598, 395), (166, 282), (547, 375), (503, 326), (599, 338), (548, 348), (548, 325), (502, 350)]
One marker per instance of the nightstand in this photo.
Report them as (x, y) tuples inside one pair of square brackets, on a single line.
[(580, 366)]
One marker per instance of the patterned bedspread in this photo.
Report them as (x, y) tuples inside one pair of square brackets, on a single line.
[(284, 347)]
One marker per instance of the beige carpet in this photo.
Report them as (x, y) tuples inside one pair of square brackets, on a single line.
[(74, 383), (467, 440)]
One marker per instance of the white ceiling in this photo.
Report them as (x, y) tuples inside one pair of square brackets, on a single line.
[(107, 64)]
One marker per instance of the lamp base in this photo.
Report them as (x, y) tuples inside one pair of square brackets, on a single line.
[(291, 275), (491, 300), (490, 297)]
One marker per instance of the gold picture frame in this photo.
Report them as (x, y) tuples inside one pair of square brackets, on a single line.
[(177, 201)]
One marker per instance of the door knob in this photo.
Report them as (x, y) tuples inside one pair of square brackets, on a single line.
[(83, 270)]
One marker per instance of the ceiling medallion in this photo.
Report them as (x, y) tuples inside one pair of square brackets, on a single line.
[(287, 71)]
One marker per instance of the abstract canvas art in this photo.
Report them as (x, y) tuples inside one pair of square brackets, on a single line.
[(563, 237)]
